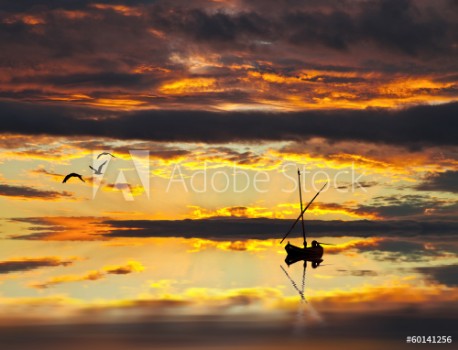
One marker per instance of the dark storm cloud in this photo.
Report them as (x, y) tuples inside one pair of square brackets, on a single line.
[(31, 193), (441, 182), (401, 26), (445, 274), (390, 211), (411, 206), (395, 25), (215, 27), (93, 41), (95, 49), (102, 79), (26, 264), (412, 127), (228, 229), (43, 5)]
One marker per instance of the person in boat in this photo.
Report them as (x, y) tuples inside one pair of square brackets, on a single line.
[(317, 246)]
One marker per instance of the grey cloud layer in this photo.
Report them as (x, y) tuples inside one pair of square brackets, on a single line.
[(26, 264), (442, 182), (244, 228), (31, 192), (273, 228)]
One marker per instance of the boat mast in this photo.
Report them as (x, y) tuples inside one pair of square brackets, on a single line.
[(300, 199), (302, 213)]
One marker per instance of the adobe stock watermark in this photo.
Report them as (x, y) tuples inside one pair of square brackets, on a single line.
[(141, 166), (221, 181)]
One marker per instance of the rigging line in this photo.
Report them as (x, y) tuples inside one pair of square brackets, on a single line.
[(302, 213)]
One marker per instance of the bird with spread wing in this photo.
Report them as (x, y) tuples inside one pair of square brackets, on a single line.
[(98, 171), (73, 175)]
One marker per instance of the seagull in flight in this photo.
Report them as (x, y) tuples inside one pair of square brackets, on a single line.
[(73, 175), (105, 154), (99, 170)]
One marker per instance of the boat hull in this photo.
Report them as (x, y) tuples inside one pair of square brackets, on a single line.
[(312, 254)]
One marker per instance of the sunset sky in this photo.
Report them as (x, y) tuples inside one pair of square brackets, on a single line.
[(210, 108)]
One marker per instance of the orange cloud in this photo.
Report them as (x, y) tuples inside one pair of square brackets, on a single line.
[(324, 89), (61, 228), (353, 244), (32, 20), (122, 9), (410, 87), (120, 102)]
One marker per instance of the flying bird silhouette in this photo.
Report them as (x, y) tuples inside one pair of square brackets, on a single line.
[(73, 175), (105, 154), (99, 170)]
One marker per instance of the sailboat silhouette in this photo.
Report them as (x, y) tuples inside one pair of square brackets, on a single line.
[(294, 253)]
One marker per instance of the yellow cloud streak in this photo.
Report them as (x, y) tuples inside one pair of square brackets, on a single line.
[(279, 211), (252, 212), (323, 209), (392, 294), (250, 245), (190, 86)]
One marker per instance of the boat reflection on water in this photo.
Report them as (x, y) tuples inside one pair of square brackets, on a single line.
[(305, 310), (312, 254)]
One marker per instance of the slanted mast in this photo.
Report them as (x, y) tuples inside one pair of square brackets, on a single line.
[(300, 200)]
